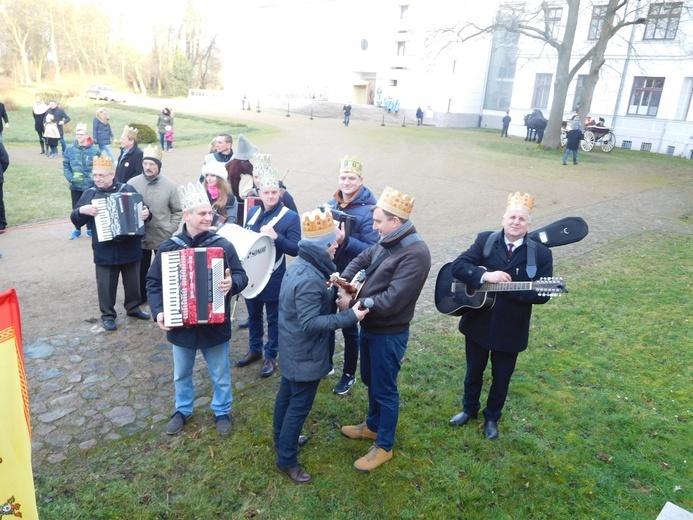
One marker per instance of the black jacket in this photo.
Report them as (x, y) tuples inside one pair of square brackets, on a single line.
[(119, 251), (129, 164), (199, 336), (505, 326)]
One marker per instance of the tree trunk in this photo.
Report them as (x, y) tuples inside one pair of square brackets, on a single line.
[(552, 135)]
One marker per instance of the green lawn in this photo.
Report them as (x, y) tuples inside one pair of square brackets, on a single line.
[(597, 425)]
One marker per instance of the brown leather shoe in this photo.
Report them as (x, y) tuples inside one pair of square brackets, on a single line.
[(296, 474), (267, 368), (249, 358), (371, 460)]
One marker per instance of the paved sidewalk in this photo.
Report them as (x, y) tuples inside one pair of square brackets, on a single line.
[(87, 385)]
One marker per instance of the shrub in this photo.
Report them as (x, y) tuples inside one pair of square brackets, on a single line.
[(145, 133)]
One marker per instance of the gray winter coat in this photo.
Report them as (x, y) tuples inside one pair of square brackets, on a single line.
[(305, 318)]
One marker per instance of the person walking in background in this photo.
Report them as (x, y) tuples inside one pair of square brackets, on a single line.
[(3, 119), (60, 118), (211, 339), (160, 195), (502, 331), (39, 112), (4, 164), (574, 136), (131, 157), (419, 116), (347, 113), (102, 132), (51, 134), (168, 136), (78, 161), (356, 201), (306, 318), (506, 124), (397, 268), (165, 119)]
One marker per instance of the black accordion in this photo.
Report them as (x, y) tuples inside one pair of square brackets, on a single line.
[(119, 215)]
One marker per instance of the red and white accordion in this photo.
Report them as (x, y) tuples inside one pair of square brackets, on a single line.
[(190, 285), (119, 215)]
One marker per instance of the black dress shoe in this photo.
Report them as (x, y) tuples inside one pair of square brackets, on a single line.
[(491, 430), (296, 474), (140, 315), (302, 441), (461, 419), (109, 325), (243, 324), (249, 358)]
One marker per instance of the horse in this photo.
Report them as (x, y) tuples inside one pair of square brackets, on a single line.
[(536, 124)]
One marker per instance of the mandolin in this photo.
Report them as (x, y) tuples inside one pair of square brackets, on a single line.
[(353, 287)]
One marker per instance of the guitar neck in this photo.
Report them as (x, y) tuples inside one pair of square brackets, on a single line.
[(505, 286)]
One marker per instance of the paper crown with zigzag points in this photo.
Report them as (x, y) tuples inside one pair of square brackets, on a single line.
[(399, 204), (351, 165), (192, 196), (522, 202)]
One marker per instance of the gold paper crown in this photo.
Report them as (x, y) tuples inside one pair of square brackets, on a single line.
[(130, 132), (103, 164), (152, 150), (192, 196), (351, 165), (396, 203), (81, 126), (317, 223), (259, 160), (524, 202), (266, 177)]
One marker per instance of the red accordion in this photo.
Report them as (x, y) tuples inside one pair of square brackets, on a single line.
[(190, 285)]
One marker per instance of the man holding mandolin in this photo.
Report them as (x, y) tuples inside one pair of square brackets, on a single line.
[(395, 270), (500, 332)]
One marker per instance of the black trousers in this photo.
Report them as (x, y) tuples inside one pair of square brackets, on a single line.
[(145, 264), (3, 219), (107, 288), (502, 368)]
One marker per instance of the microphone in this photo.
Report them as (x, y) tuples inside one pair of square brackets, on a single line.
[(367, 303)]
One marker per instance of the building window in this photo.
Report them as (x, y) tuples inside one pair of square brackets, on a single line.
[(663, 21), (542, 89), (598, 15), (645, 96), (403, 11), (579, 90), (401, 48), (645, 147), (553, 20), (626, 145)]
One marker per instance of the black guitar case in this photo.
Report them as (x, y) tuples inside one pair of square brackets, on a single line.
[(568, 230)]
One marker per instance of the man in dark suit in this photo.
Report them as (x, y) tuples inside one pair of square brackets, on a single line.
[(131, 156), (502, 331), (4, 164)]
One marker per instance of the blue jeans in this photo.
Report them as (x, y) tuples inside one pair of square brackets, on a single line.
[(107, 148), (567, 152), (502, 368), (161, 138), (219, 366), (291, 407), (256, 327), (381, 358), (63, 145)]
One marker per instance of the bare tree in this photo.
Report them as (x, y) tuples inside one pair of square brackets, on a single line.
[(20, 19), (538, 24)]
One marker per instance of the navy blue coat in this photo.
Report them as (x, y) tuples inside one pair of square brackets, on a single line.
[(505, 326), (130, 164), (362, 234), (289, 233)]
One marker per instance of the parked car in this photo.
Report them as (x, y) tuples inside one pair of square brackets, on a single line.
[(104, 92)]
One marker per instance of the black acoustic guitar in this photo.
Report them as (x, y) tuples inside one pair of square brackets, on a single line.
[(456, 298)]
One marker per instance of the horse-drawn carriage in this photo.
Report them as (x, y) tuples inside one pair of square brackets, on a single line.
[(594, 134)]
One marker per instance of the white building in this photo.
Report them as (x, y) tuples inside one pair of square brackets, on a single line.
[(365, 51)]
